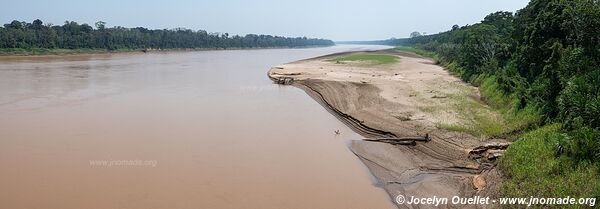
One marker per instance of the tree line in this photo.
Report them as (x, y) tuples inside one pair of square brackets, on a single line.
[(72, 35)]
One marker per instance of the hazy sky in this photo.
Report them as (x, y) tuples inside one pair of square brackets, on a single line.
[(334, 19)]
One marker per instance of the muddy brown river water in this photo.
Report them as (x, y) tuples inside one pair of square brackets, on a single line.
[(203, 129)]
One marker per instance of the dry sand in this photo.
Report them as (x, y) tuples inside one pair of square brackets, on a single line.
[(395, 100)]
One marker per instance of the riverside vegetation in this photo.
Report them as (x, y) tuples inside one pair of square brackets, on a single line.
[(375, 59), (540, 68), (38, 38)]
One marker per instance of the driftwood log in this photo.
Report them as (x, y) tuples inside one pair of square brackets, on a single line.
[(401, 140), (284, 80), (490, 146), (488, 152)]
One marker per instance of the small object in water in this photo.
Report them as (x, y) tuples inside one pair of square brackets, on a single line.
[(337, 132)]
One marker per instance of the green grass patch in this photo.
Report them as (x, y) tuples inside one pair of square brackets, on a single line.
[(516, 118), (499, 118), (513, 119), (479, 119), (376, 59), (532, 168), (417, 51)]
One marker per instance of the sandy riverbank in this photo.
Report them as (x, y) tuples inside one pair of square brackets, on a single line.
[(409, 98)]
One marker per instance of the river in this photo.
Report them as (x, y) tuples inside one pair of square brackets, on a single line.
[(200, 129)]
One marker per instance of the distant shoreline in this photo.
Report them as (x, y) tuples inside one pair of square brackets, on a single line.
[(19, 52)]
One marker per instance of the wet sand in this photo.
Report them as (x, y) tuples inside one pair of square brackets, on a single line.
[(215, 131), (393, 100)]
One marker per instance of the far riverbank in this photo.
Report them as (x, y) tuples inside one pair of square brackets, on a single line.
[(44, 51)]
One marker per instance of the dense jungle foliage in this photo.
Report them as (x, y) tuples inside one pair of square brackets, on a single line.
[(72, 35), (544, 62)]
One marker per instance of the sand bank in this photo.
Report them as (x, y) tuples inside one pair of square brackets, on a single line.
[(408, 98)]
